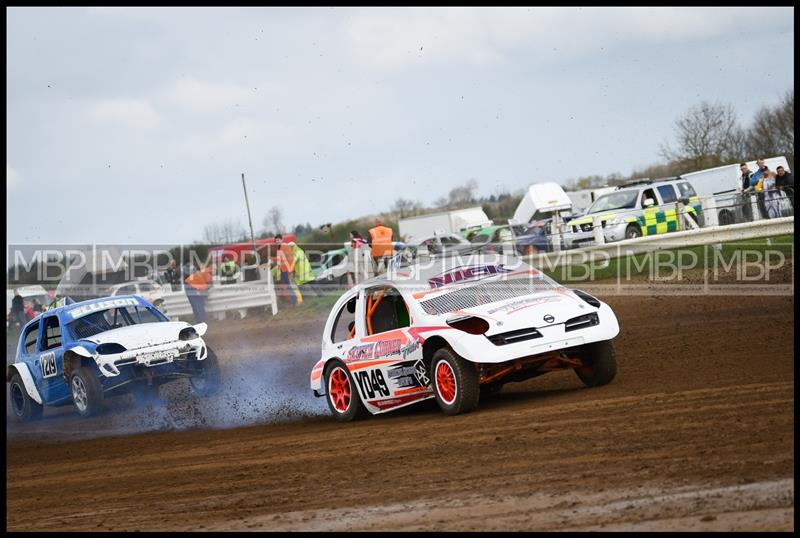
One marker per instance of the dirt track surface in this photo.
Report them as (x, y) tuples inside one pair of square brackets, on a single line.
[(695, 433)]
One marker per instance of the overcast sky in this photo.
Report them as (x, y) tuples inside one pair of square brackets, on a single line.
[(134, 125)]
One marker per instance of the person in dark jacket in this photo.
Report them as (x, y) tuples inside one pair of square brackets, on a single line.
[(784, 181), (18, 310)]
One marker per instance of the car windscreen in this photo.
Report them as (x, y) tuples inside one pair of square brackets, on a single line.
[(113, 318), (487, 292), (614, 200)]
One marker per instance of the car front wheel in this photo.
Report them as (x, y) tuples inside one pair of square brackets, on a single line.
[(207, 379), (455, 383), (633, 231), (87, 393), (599, 364), (22, 405)]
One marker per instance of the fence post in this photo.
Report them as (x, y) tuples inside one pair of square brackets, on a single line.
[(556, 227), (710, 216), (597, 228), (756, 214)]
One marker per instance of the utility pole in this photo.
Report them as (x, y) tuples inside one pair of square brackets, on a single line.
[(250, 220)]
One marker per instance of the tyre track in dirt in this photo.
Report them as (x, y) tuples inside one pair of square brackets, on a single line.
[(706, 405)]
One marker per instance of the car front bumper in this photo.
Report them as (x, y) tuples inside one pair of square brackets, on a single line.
[(109, 364)]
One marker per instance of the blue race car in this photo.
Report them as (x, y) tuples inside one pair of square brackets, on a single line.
[(80, 353)]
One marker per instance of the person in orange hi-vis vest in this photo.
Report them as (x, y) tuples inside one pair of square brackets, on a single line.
[(285, 258), (381, 239), (197, 285)]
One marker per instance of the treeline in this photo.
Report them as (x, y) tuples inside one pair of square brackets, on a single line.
[(708, 135)]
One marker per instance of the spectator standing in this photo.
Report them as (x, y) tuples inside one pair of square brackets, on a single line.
[(381, 241), (759, 173), (758, 188), (744, 179), (772, 197), (228, 270), (302, 269), (285, 259), (362, 262), (186, 270), (18, 310), (197, 285), (784, 181), (744, 191), (172, 275)]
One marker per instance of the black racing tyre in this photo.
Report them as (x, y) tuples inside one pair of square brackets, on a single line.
[(341, 393), (600, 364), (87, 392), (725, 217), (208, 377), (455, 383), (23, 407), (633, 231)]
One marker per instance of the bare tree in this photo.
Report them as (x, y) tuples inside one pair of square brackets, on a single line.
[(706, 135), (405, 207), (772, 131), (463, 195), (227, 231), (273, 221)]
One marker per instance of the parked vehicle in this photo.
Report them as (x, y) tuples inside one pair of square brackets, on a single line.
[(541, 201), (637, 209), (151, 290), (455, 221)]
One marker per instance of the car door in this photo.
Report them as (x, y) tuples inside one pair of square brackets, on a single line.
[(50, 350), (387, 364), (668, 198), (28, 354)]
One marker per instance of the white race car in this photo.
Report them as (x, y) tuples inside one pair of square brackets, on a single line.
[(451, 329)]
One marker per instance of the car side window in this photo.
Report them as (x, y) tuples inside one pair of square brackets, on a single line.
[(686, 190), (52, 333), (448, 240), (386, 310), (344, 326), (30, 338), (667, 193), (146, 286), (649, 194), (130, 289)]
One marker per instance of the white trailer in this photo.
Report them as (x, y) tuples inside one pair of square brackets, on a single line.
[(454, 221), (541, 201)]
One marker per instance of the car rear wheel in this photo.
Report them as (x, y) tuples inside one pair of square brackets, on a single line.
[(23, 406), (455, 383), (341, 393), (208, 377), (87, 392), (600, 364)]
